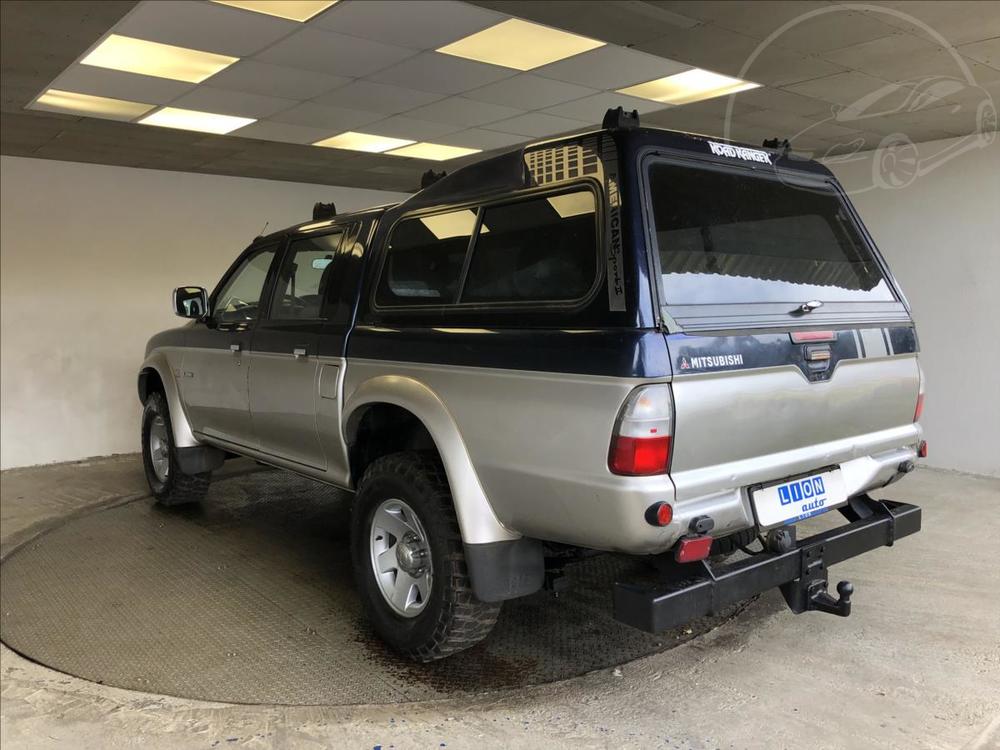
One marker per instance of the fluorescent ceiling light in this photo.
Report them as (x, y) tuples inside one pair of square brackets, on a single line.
[(573, 204), (94, 106), (373, 144), (293, 10), (154, 59), (690, 86), (520, 45), (189, 119), (453, 224), (433, 151)]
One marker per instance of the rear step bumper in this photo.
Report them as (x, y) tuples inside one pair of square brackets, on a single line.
[(694, 590)]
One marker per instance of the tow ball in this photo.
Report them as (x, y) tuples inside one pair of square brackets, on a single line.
[(809, 591)]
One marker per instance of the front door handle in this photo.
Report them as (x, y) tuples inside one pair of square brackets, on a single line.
[(299, 351), (235, 348)]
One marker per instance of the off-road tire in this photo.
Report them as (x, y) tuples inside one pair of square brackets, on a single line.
[(178, 488), (453, 619)]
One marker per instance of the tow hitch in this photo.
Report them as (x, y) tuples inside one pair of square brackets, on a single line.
[(684, 592), (809, 590)]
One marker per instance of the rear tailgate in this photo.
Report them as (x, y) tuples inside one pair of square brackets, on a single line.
[(752, 408), (792, 347)]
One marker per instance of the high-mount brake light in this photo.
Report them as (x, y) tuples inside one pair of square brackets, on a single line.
[(812, 337), (640, 445)]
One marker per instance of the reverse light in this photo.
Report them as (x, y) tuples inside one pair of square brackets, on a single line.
[(693, 548), (640, 445)]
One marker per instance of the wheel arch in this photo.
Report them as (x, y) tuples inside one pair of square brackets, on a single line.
[(156, 375), (476, 519)]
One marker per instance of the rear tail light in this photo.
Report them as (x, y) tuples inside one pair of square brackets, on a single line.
[(640, 445), (919, 410)]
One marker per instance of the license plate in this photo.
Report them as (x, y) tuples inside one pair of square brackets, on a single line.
[(796, 499)]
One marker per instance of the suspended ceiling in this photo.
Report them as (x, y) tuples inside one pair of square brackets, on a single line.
[(372, 67)]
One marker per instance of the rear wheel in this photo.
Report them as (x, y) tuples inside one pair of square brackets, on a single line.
[(409, 562), (170, 486)]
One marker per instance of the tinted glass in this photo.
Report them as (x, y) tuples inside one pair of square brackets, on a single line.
[(538, 250), (424, 259), (725, 237), (239, 298), (305, 278)]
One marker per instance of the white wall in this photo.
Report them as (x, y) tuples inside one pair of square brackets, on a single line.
[(88, 257), (941, 236)]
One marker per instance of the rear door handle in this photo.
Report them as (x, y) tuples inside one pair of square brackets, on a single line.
[(299, 351)]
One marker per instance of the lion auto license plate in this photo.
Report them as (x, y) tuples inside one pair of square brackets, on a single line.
[(796, 499)]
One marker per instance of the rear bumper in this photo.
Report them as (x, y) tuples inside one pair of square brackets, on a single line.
[(705, 590)]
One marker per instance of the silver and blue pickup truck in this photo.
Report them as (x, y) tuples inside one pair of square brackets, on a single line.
[(631, 340)]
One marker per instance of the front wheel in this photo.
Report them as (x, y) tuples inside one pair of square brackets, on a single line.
[(409, 562), (170, 486)]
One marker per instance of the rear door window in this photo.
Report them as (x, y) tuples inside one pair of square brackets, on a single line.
[(726, 237), (304, 279), (539, 250)]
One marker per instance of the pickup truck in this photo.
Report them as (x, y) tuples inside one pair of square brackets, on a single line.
[(630, 340)]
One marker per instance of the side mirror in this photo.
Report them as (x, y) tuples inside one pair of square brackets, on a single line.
[(190, 302)]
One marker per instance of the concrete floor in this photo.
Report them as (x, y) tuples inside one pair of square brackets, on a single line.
[(917, 665)]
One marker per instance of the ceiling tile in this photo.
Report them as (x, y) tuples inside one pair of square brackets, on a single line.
[(527, 91), (432, 71), (268, 130), (409, 127), (709, 47), (238, 103), (204, 26), (610, 67), (781, 100), (592, 108), (957, 22), (623, 22), (465, 113), (848, 88), (117, 84), (334, 54), (986, 52), (887, 55), (537, 124), (835, 28), (416, 24), (377, 97), (321, 116), (759, 18), (262, 78), (484, 139)]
